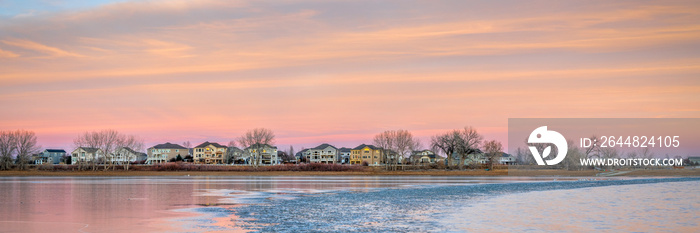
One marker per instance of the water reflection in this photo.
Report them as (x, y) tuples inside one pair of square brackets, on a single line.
[(158, 204)]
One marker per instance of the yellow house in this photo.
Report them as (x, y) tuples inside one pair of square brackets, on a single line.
[(162, 153), (209, 153), (366, 153)]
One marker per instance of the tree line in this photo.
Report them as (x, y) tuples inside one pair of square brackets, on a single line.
[(20, 144), (396, 145)]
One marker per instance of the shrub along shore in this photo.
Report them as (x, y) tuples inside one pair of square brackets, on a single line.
[(317, 169)]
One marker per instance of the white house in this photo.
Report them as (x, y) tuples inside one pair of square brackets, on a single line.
[(267, 154), (127, 155), (344, 155), (323, 153), (423, 156), (86, 154)]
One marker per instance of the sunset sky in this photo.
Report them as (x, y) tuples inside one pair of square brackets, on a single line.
[(338, 71)]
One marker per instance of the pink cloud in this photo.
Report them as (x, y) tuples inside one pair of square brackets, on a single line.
[(315, 72)]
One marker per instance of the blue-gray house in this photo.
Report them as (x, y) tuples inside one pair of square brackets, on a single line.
[(52, 156)]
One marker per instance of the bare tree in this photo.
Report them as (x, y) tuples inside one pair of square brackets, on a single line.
[(131, 142), (573, 156), (395, 145), (646, 153), (446, 143), (469, 142), (291, 153), (102, 140), (8, 146), (255, 140), (26, 146), (385, 142), (285, 156), (108, 142), (461, 143), (594, 149), (524, 156), (188, 145), (609, 152), (493, 150), (231, 151), (88, 140)]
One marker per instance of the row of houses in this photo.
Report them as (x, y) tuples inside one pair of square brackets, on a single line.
[(215, 153), (120, 156)]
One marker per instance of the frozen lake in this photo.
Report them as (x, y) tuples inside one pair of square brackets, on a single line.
[(347, 203)]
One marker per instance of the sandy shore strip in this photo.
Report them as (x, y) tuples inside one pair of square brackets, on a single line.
[(519, 172)]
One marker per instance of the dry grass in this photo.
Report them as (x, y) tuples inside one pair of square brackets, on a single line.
[(337, 170)]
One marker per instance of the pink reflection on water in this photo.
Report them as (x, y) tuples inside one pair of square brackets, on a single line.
[(90, 205), (101, 204), (166, 204)]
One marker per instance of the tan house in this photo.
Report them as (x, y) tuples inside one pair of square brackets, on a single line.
[(165, 152), (366, 153), (86, 154), (209, 153), (324, 153)]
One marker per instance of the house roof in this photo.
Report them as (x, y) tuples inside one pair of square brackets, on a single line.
[(344, 149), (233, 148), (89, 149), (474, 151), (417, 156), (133, 151), (324, 146), (421, 151), (301, 152), (129, 150), (363, 146), (55, 151), (207, 143), (168, 145)]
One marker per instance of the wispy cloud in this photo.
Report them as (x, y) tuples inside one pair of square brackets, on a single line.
[(167, 49), (7, 54), (53, 51), (426, 66)]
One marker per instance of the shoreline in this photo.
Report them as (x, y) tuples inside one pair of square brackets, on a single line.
[(525, 173)]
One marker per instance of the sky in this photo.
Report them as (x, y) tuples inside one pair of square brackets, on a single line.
[(338, 71)]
